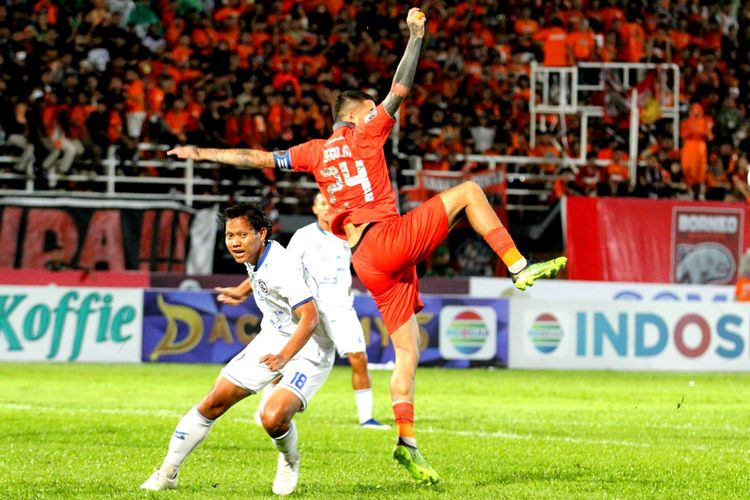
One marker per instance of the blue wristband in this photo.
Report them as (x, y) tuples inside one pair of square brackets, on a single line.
[(282, 160)]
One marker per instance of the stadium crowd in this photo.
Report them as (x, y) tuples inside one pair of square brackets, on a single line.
[(79, 76)]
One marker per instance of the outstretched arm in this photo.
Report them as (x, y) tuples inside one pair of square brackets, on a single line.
[(408, 66), (249, 158), (234, 295)]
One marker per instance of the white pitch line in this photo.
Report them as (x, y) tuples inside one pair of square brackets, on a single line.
[(683, 427), (430, 430), (172, 414), (575, 440)]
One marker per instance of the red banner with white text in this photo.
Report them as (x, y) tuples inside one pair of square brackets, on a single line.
[(660, 241), (100, 235)]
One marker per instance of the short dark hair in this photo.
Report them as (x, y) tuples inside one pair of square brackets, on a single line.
[(252, 212), (344, 99)]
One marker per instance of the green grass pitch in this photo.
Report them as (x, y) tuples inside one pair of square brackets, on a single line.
[(94, 431)]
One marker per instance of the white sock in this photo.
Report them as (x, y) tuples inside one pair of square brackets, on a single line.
[(188, 434), (265, 395), (518, 266), (364, 404), (287, 444)]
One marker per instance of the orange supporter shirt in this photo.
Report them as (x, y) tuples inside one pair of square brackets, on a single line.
[(583, 45), (618, 171), (51, 9), (181, 54), (49, 118), (609, 14), (696, 128), (244, 52), (201, 37), (257, 39), (712, 40), (714, 179), (525, 27), (78, 115), (607, 53), (225, 12), (334, 6), (634, 39), (545, 151), (232, 134), (155, 99), (194, 109), (177, 121), (135, 100), (114, 131), (230, 37), (571, 18), (174, 31), (314, 61), (680, 39), (555, 44)]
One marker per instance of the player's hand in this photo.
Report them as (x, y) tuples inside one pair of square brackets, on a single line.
[(274, 362), (230, 295), (185, 152), (415, 19)]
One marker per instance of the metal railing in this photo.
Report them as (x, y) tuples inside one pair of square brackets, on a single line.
[(187, 182), (526, 190), (191, 182)]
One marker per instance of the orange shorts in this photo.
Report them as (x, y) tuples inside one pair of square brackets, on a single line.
[(387, 255)]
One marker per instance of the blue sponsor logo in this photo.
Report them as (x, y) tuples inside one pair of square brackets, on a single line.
[(671, 296), (647, 334)]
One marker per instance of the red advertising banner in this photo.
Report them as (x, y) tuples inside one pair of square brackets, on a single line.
[(95, 235), (431, 182), (660, 241), (76, 278)]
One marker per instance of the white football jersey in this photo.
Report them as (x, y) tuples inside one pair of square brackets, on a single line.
[(327, 258), (281, 284)]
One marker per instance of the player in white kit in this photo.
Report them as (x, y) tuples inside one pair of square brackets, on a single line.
[(292, 344), (328, 259)]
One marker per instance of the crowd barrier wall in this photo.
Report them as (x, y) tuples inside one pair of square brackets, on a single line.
[(51, 323), (559, 325), (629, 335), (192, 327), (656, 241), (601, 290), (96, 235)]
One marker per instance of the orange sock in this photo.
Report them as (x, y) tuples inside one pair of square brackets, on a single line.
[(502, 244), (403, 411)]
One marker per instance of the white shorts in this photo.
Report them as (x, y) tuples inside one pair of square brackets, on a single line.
[(345, 330), (304, 374)]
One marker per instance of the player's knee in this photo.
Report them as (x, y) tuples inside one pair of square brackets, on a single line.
[(402, 383), (275, 421), (358, 359), (212, 408), (406, 362), (471, 189)]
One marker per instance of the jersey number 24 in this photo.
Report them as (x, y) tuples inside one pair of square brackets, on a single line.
[(341, 176)]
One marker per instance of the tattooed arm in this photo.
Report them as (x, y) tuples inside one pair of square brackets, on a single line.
[(248, 158), (408, 66)]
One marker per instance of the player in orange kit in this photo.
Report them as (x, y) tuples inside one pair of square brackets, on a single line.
[(351, 171)]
